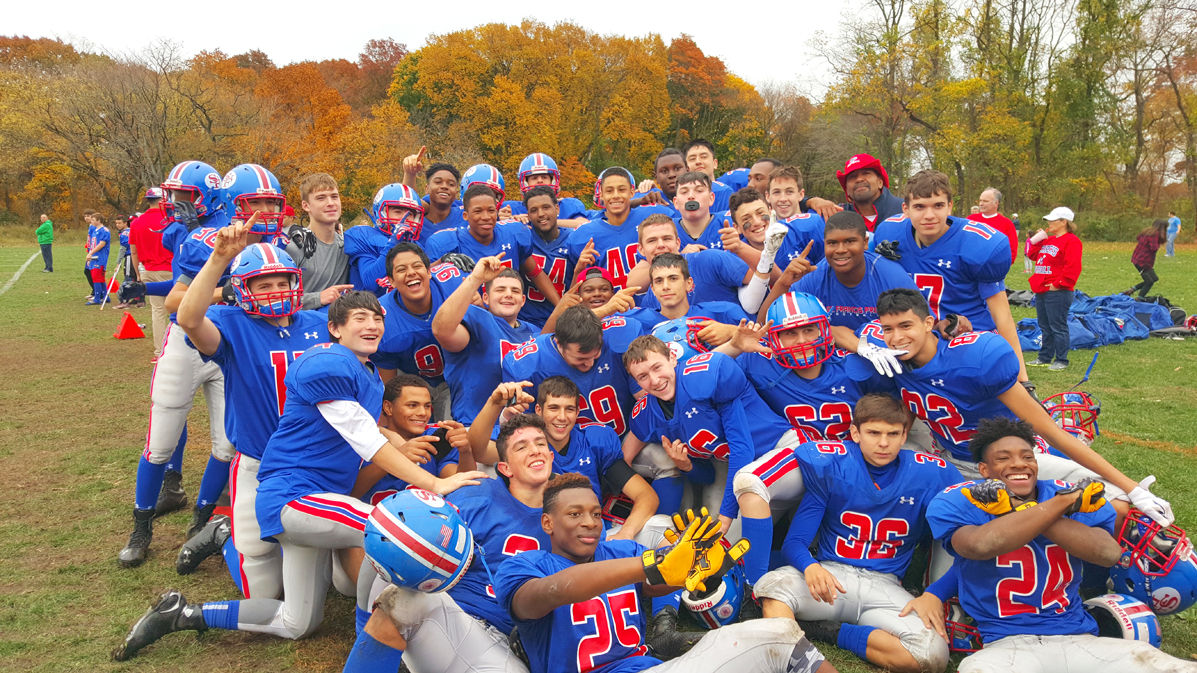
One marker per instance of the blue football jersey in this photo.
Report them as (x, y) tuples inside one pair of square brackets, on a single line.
[(865, 516), (453, 220), (718, 276), (804, 228), (407, 343), (719, 311), (95, 236), (852, 307), (605, 634), (616, 246), (389, 484), (306, 455), (593, 448), (551, 257), (736, 179), (723, 195), (958, 271), (124, 240), (475, 371), (649, 422), (1032, 590), (721, 416), (503, 527), (569, 208), (709, 237), (254, 357), (605, 389), (367, 249), (819, 408), (960, 386), (510, 238)]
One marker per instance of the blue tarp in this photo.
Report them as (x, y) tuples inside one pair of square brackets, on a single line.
[(1100, 321)]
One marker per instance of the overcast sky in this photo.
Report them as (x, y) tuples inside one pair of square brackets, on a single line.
[(770, 45)]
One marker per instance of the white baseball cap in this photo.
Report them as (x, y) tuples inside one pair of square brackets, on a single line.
[(1060, 213), (153, 193)]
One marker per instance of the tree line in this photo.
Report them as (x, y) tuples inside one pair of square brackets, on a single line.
[(1092, 103)]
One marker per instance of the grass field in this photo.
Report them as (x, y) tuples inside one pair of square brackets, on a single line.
[(75, 407)]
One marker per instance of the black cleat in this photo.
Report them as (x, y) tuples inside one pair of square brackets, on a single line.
[(171, 613), (665, 639), (750, 608), (206, 542), (135, 551), (172, 497), (823, 631), (200, 517)]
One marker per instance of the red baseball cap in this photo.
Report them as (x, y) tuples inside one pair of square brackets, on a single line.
[(861, 162), (592, 271), (288, 211)]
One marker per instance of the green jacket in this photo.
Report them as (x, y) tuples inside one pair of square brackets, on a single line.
[(45, 233)]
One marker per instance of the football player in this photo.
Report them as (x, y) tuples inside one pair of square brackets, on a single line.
[(864, 508), (539, 170), (309, 465), (466, 628), (1020, 543), (672, 287), (96, 259), (475, 340), (407, 344), (549, 251), (179, 372), (960, 265), (785, 198), (610, 240), (700, 156), (698, 225), (587, 350), (442, 210), (953, 384), (668, 166), (397, 214), (579, 605)]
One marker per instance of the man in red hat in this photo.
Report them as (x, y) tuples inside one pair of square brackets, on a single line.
[(866, 188)]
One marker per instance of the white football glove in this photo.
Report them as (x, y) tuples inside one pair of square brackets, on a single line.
[(774, 235), (1152, 505), (885, 360)]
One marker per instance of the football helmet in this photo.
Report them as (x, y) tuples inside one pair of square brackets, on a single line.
[(681, 335), (487, 175), (264, 259), (418, 540), (199, 181), (963, 635), (406, 227), (251, 181), (1076, 412), (616, 509), (539, 163), (721, 606), (1158, 565), (1121, 616), (796, 309)]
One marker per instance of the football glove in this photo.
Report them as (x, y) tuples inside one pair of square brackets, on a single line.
[(672, 565), (888, 250), (709, 570), (989, 496), (884, 360), (1152, 505), (1091, 498)]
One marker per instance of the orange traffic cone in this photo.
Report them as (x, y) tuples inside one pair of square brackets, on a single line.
[(129, 329)]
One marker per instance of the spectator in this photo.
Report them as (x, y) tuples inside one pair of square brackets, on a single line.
[(152, 259), (987, 212), (866, 188), (1173, 232), (319, 249), (45, 238), (1150, 240), (1057, 254)]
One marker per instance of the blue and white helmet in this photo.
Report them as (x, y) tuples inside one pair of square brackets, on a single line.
[(199, 181), (539, 163), (1158, 565), (415, 539), (1121, 616), (681, 336), (721, 606), (264, 259), (796, 309), (251, 181), (484, 174), (405, 227)]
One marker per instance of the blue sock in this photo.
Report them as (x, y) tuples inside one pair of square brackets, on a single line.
[(673, 600), (97, 291), (759, 533), (669, 490), (854, 638), (175, 464), (221, 614), (149, 482), (159, 288), (360, 617), (233, 560), (370, 656), (216, 477)]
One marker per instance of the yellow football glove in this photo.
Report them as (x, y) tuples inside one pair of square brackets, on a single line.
[(711, 566), (989, 496), (1091, 498), (671, 565)]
